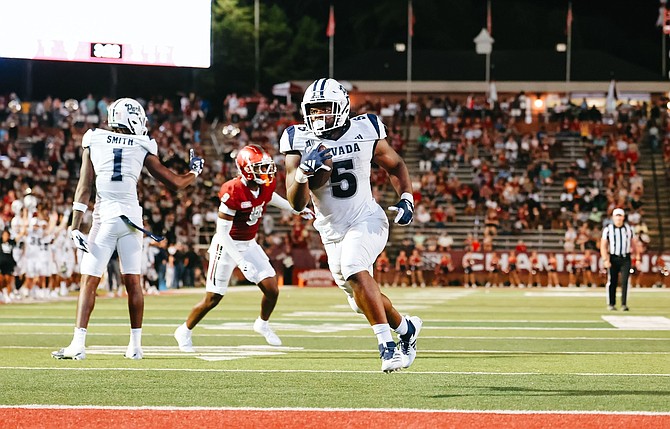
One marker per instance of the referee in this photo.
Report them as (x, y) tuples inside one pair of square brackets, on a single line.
[(615, 248)]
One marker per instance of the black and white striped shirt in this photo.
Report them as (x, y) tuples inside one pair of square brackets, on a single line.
[(619, 239)]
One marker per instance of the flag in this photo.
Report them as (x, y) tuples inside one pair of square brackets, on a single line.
[(412, 19), (569, 19), (661, 16), (330, 30), (489, 21)]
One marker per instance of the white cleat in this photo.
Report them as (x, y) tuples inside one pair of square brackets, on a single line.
[(263, 327), (407, 346), (69, 352), (134, 353), (183, 336), (391, 357)]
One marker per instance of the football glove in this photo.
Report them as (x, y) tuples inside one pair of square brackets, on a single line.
[(195, 164), (249, 271), (306, 213), (79, 240), (405, 210), (313, 160)]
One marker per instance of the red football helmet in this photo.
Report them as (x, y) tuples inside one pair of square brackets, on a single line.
[(255, 164)]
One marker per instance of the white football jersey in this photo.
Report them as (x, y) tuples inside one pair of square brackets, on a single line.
[(33, 243), (117, 160), (347, 197)]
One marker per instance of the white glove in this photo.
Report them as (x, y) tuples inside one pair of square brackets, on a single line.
[(306, 213), (79, 240), (249, 270)]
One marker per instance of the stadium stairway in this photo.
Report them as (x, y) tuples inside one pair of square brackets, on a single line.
[(656, 196), (465, 224)]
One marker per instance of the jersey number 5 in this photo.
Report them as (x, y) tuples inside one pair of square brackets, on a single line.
[(342, 180), (118, 158)]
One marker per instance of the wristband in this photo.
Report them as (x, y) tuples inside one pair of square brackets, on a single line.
[(80, 207), (300, 176), (407, 196)]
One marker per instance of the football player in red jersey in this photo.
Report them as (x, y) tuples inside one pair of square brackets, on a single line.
[(243, 203)]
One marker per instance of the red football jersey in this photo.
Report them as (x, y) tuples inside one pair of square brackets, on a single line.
[(248, 209)]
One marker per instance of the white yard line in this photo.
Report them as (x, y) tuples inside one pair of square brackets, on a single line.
[(423, 337), (321, 371), (156, 350)]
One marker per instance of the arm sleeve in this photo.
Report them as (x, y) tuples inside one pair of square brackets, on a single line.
[(280, 203), (223, 238)]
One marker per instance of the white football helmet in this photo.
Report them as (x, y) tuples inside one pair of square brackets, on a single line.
[(129, 114), (325, 91)]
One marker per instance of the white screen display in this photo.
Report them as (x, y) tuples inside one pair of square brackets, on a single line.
[(148, 32)]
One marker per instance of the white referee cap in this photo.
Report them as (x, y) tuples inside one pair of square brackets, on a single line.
[(618, 212)]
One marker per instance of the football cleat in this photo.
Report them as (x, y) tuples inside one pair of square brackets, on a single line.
[(390, 356), (263, 327), (70, 352), (134, 353), (407, 342), (183, 336)]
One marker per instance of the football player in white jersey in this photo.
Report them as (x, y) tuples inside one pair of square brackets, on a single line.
[(353, 227), (113, 160)]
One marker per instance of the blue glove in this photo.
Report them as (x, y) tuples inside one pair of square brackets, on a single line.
[(405, 209), (195, 164), (313, 160)]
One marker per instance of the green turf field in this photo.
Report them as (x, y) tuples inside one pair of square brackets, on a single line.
[(480, 349)]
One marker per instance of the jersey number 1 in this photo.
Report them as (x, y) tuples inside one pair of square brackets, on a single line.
[(118, 157)]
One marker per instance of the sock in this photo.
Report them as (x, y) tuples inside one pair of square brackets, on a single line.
[(79, 338), (261, 322), (383, 332), (402, 328), (186, 327), (136, 337)]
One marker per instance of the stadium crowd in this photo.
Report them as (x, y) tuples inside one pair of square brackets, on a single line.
[(510, 168)]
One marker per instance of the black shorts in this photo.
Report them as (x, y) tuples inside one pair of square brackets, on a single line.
[(467, 270), (7, 268)]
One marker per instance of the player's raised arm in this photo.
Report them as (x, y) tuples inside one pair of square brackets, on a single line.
[(168, 177)]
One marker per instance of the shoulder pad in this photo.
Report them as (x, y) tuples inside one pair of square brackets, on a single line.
[(295, 138), (86, 140), (149, 145), (368, 126)]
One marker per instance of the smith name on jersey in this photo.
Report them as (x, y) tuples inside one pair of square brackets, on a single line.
[(347, 197), (246, 209), (117, 161)]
